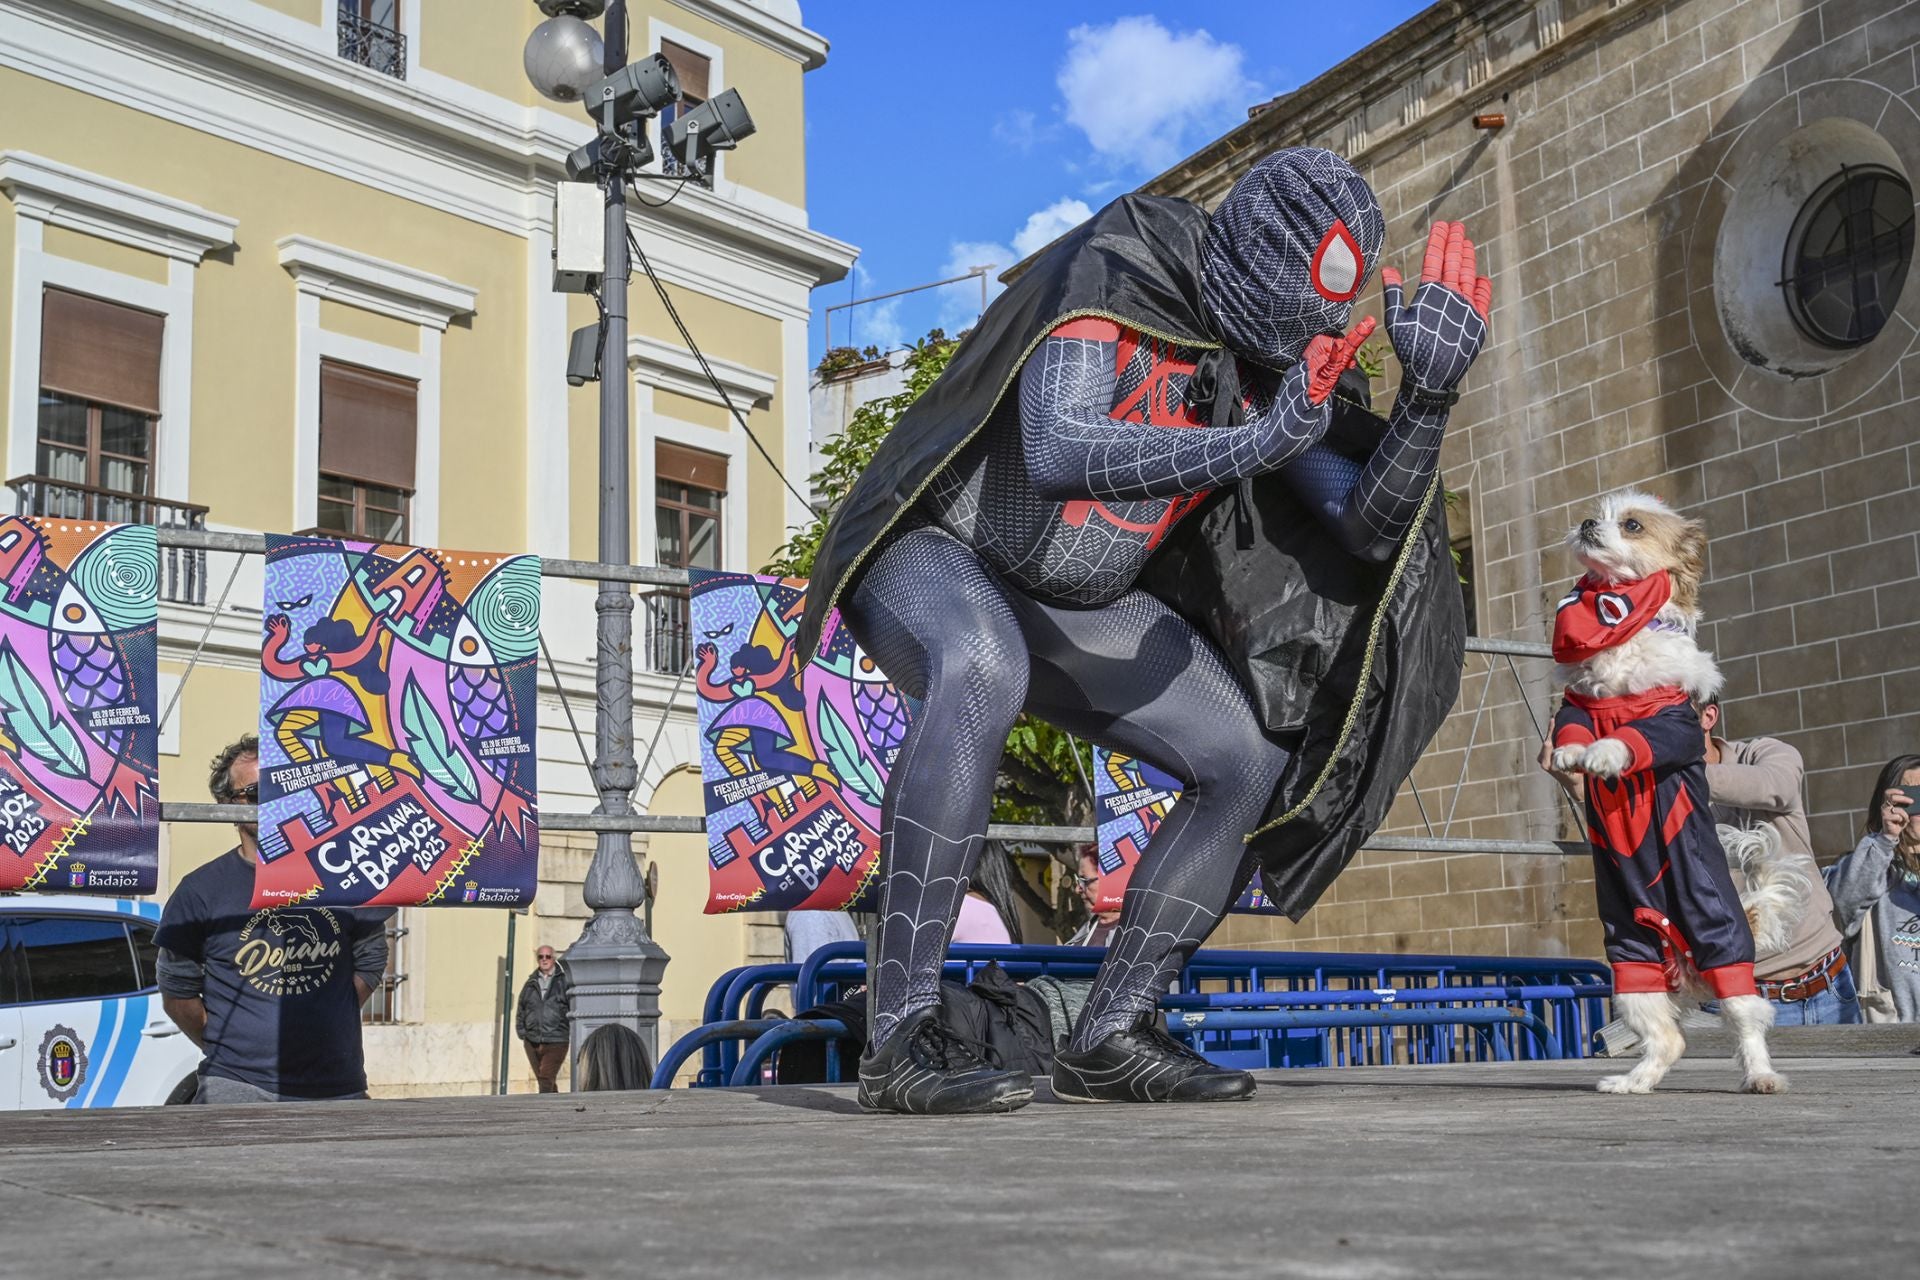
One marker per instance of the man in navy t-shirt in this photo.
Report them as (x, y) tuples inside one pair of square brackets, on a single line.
[(272, 995)]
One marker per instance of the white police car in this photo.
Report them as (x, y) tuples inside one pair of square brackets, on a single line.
[(80, 1017)]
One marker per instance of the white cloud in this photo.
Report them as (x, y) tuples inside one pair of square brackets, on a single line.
[(1143, 95), (960, 303), (1048, 225)]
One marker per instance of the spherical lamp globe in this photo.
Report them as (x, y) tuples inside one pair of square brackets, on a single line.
[(563, 57)]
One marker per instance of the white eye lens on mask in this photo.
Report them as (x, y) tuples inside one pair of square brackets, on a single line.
[(1337, 265)]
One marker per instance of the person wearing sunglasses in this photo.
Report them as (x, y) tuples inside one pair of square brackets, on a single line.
[(1100, 924), (541, 1018), (271, 995)]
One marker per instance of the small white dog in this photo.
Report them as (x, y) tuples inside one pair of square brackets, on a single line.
[(1632, 538), (1624, 638)]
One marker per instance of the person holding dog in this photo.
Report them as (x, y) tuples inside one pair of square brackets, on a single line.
[(1756, 782), (1876, 888)]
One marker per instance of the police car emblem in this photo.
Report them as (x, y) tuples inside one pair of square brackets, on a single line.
[(63, 1063)]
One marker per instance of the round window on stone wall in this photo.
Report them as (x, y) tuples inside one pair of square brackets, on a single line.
[(1848, 254), (1810, 256)]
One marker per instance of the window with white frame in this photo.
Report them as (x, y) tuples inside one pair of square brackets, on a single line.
[(368, 430), (99, 407), (690, 487), (370, 35), (695, 71)]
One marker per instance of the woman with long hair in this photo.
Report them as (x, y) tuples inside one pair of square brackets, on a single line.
[(614, 1057), (1877, 886)]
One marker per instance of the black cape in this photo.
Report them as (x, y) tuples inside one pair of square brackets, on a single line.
[(1351, 665)]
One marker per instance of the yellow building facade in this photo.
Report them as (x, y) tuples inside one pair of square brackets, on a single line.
[(296, 187)]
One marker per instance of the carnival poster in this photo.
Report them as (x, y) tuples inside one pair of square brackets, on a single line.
[(1131, 799), (79, 746), (398, 726), (794, 766)]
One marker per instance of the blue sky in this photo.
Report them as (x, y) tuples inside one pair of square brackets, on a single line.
[(945, 135)]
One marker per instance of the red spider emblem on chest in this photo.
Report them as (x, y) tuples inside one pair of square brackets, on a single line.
[(1624, 808), (1152, 403), (1076, 514)]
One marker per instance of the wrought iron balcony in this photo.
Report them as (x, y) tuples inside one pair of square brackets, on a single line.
[(669, 638), (183, 573), (371, 45)]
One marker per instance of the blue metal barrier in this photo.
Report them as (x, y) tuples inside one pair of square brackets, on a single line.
[(1254, 1008), (1188, 1023), (706, 1037), (756, 1054)]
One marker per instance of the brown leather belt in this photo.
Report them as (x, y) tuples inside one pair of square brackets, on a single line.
[(1809, 984)]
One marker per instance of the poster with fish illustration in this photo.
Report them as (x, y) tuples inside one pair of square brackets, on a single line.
[(398, 724), (794, 766), (1131, 799), (79, 744)]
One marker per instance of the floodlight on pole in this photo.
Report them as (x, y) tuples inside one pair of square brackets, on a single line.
[(634, 92), (717, 124)]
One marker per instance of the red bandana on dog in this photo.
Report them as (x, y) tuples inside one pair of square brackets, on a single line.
[(1596, 616)]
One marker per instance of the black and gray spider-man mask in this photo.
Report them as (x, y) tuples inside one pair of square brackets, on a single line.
[(1287, 252)]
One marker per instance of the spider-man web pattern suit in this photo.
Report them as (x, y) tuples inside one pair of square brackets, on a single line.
[(1010, 584)]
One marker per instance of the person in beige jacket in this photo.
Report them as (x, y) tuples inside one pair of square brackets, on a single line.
[(1762, 780), (1757, 781)]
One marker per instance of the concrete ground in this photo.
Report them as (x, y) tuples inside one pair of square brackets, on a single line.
[(1426, 1171)]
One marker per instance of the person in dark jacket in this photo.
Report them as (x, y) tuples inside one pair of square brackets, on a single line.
[(541, 1018), (991, 557)]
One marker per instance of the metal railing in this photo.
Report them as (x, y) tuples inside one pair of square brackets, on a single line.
[(669, 634), (373, 46), (662, 824), (183, 568), (384, 1006), (1246, 1009)]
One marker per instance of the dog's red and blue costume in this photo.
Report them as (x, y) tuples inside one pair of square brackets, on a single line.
[(1665, 893)]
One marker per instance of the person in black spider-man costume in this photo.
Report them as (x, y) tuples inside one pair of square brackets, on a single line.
[(1185, 538)]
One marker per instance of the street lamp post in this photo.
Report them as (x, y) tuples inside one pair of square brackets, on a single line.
[(615, 966)]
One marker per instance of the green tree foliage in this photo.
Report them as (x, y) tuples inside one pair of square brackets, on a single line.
[(848, 455), (1039, 779)]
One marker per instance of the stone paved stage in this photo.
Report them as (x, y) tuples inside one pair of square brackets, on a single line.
[(1455, 1171)]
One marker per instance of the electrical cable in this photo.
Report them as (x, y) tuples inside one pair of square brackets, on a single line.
[(661, 289), (679, 185)]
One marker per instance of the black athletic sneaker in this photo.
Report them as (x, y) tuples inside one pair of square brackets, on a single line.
[(1144, 1064), (924, 1069)]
